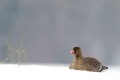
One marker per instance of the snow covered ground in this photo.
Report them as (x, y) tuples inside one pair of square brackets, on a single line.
[(54, 72)]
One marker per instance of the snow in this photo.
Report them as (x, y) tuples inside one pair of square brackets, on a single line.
[(54, 72)]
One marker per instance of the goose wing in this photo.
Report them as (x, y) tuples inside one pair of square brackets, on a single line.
[(81, 66), (92, 62)]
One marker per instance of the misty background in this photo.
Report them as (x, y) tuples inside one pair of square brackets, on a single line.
[(51, 28)]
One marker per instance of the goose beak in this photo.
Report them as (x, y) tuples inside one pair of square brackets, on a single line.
[(72, 52)]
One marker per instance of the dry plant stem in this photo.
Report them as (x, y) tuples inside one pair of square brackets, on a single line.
[(19, 56), (12, 52)]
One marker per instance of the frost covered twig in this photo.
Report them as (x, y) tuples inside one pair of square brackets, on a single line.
[(15, 53)]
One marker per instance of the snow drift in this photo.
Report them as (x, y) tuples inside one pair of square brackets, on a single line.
[(54, 72)]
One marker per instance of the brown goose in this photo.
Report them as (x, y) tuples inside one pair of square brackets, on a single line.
[(85, 63)]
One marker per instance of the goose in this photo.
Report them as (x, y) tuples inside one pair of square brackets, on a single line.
[(85, 63)]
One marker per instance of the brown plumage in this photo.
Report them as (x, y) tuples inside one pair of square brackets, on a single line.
[(85, 63)]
